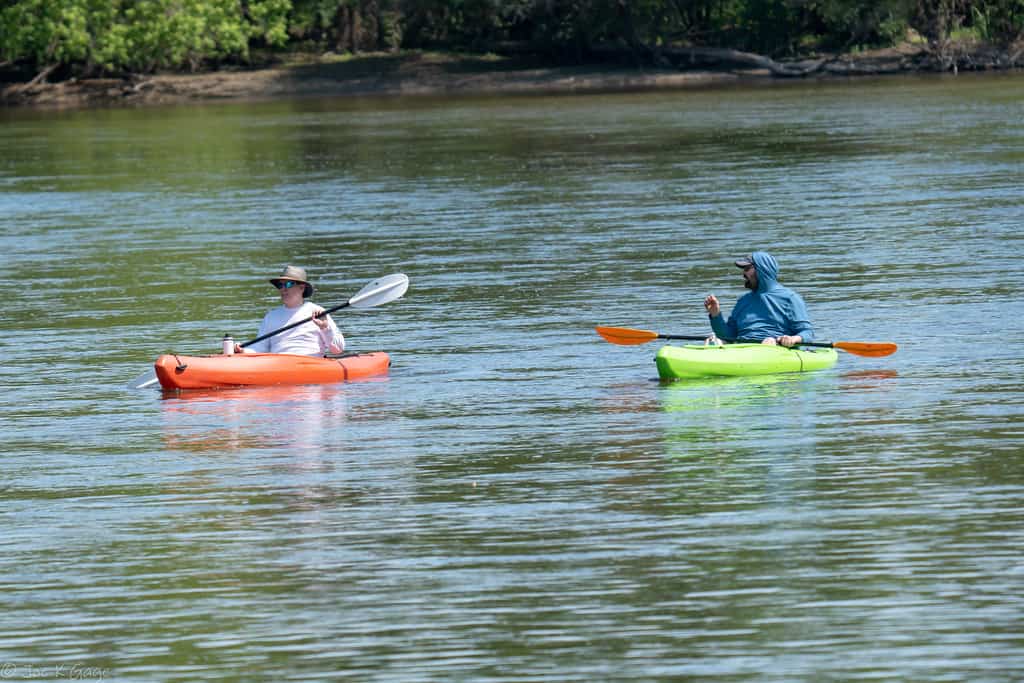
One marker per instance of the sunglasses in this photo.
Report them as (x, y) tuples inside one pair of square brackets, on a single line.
[(285, 284)]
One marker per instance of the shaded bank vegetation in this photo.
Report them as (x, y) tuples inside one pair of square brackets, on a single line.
[(56, 40)]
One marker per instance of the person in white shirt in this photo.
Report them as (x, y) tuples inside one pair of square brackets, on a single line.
[(314, 338)]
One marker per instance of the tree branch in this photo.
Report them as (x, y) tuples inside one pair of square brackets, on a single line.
[(42, 75)]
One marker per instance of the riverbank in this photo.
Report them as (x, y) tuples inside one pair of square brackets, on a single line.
[(432, 74)]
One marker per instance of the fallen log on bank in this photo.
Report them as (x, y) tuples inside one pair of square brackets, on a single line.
[(700, 55)]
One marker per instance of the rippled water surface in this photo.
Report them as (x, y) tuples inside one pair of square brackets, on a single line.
[(518, 499)]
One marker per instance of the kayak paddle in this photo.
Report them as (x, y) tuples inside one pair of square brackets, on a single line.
[(625, 336), (380, 291)]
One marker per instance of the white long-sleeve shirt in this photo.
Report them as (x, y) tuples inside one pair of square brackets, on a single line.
[(306, 339)]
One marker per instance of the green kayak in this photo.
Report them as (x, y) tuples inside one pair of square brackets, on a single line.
[(735, 360)]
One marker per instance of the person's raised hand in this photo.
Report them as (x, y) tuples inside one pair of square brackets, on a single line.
[(712, 306)]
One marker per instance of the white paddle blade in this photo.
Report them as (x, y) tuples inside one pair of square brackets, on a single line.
[(380, 291), (146, 379)]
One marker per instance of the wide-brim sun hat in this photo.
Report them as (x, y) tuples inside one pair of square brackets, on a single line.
[(295, 274)]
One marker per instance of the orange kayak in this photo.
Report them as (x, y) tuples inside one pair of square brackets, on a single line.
[(258, 369)]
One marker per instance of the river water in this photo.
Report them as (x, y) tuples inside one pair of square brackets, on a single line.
[(518, 500)]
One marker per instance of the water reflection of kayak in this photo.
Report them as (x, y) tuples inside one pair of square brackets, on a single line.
[(717, 393), (256, 369), (738, 360), (291, 416)]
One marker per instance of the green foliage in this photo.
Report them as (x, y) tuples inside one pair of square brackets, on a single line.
[(348, 25), (137, 35), (455, 24), (999, 21), (312, 19), (43, 31), (864, 23), (996, 21), (93, 36), (768, 26), (268, 21)]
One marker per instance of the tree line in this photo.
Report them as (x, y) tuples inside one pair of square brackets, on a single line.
[(105, 37)]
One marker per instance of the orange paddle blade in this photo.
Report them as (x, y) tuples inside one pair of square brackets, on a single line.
[(625, 335), (869, 349)]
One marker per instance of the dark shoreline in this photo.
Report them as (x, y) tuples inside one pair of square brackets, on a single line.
[(428, 74)]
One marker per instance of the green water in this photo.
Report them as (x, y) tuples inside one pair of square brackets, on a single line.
[(517, 500)]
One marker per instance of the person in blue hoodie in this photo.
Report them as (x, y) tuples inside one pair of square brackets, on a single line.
[(769, 313)]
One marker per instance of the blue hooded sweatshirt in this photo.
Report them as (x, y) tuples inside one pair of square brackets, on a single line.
[(771, 311)]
